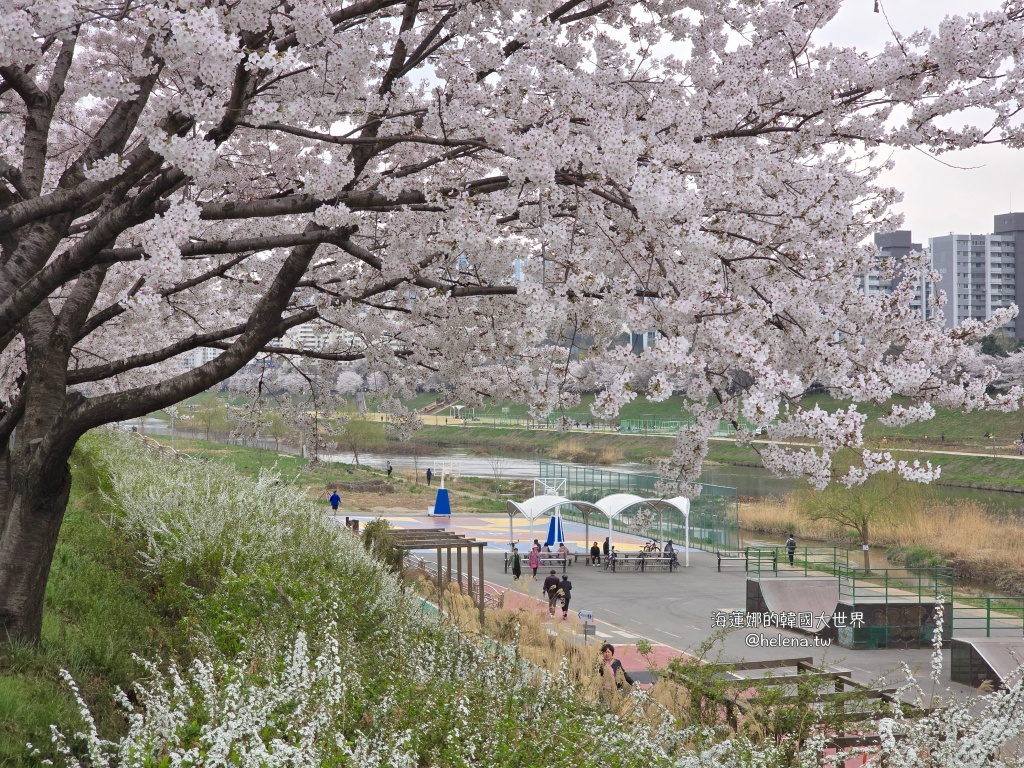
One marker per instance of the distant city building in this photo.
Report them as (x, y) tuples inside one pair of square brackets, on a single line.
[(979, 272), (897, 246), (314, 337), (640, 342), (198, 357)]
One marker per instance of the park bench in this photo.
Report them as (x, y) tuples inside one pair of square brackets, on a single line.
[(729, 557), (639, 562), (545, 561)]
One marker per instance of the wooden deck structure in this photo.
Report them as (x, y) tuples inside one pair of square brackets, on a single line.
[(443, 541)]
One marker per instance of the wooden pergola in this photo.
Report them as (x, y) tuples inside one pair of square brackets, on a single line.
[(409, 539)]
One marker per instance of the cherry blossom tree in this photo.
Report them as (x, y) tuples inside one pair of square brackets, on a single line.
[(464, 189)]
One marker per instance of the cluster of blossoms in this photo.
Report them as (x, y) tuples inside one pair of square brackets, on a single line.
[(486, 190)]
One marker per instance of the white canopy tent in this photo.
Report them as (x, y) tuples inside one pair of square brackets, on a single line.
[(536, 506), (610, 506)]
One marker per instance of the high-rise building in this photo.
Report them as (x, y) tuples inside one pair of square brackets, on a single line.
[(897, 246), (1012, 225), (979, 272), (198, 357)]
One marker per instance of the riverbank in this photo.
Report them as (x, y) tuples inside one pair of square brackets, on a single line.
[(990, 473), (981, 548)]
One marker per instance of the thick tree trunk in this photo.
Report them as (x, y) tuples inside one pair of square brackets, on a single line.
[(33, 513)]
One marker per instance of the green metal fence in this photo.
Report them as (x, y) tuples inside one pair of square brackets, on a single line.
[(895, 585), (584, 422), (656, 426), (714, 514), (988, 616), (807, 561)]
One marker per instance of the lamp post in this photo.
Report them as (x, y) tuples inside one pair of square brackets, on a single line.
[(173, 410)]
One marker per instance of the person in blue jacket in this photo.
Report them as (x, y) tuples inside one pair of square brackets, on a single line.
[(335, 501)]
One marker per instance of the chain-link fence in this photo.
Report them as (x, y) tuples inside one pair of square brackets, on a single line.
[(714, 512)]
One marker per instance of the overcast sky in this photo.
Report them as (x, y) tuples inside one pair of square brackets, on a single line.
[(938, 199)]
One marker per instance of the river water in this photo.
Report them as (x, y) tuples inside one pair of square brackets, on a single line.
[(750, 482)]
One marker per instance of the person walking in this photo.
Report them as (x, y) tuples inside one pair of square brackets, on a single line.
[(791, 548), (430, 475), (535, 561), (517, 565), (551, 590), (595, 554), (611, 668), (390, 468), (607, 545), (565, 590), (335, 501)]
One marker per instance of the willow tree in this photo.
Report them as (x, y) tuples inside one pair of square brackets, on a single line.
[(464, 189)]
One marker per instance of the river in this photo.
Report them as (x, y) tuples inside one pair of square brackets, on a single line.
[(750, 482)]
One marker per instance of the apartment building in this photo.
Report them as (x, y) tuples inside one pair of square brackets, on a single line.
[(978, 273), (898, 245), (198, 357)]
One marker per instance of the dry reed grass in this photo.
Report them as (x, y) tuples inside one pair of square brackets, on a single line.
[(573, 449), (555, 649), (958, 531)]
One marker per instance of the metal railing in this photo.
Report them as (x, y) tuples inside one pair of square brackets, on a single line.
[(494, 596), (586, 422), (895, 585), (762, 560), (988, 616), (806, 560)]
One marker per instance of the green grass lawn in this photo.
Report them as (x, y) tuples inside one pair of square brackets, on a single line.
[(957, 426), (963, 431), (97, 615)]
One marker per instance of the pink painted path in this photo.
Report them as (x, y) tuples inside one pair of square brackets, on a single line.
[(633, 661)]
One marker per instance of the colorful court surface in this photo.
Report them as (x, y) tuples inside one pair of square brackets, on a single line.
[(494, 530)]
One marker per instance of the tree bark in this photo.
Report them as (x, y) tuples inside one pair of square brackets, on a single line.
[(33, 515)]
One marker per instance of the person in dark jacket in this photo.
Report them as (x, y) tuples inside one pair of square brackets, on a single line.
[(670, 552), (595, 554), (335, 501), (551, 590), (430, 475), (565, 589), (517, 565), (791, 548), (607, 546), (612, 667)]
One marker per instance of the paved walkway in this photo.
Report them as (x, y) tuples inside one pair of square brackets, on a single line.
[(674, 611)]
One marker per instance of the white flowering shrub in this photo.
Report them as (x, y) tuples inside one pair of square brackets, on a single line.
[(332, 664), (228, 554)]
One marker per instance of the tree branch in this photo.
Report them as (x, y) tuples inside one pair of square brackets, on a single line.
[(263, 325)]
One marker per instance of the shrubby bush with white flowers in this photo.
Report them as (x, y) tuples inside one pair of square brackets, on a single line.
[(299, 650)]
